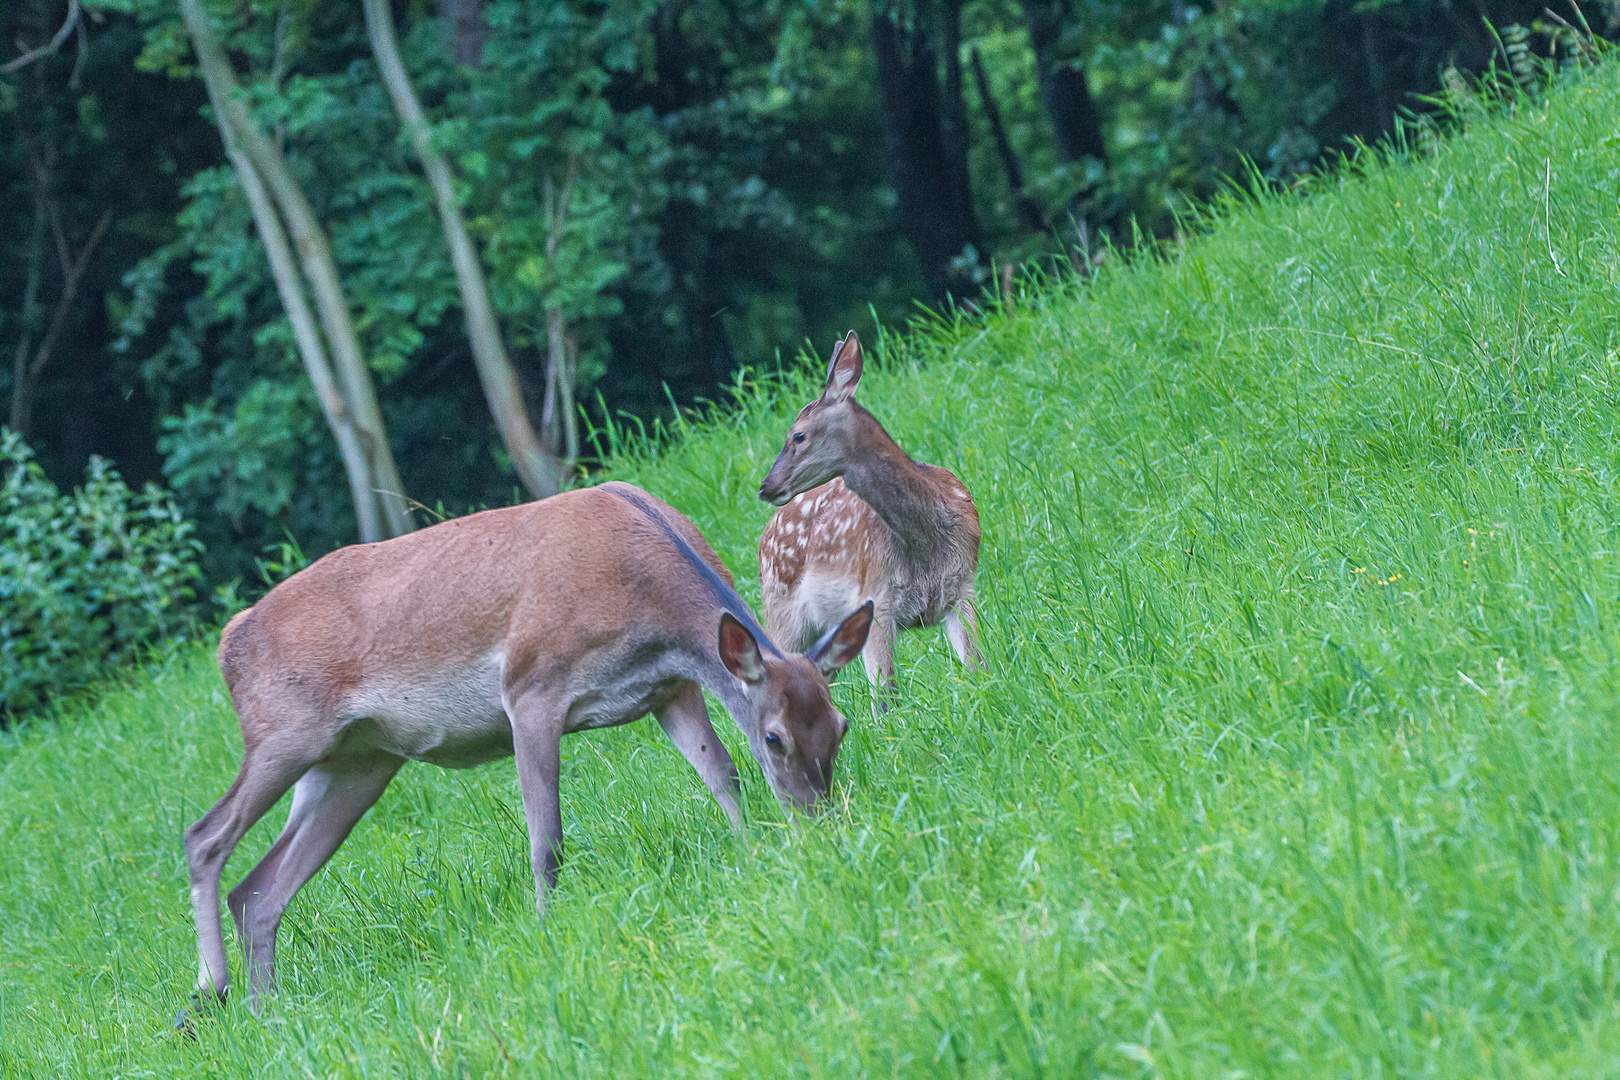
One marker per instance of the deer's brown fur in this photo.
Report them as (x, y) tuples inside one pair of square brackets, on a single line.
[(860, 519), (483, 637)]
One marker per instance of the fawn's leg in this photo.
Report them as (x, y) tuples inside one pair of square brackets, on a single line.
[(877, 656), (962, 631)]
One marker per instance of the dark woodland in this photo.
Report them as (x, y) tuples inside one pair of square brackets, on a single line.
[(653, 196)]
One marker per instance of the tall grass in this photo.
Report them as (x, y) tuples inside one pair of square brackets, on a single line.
[(1297, 756)]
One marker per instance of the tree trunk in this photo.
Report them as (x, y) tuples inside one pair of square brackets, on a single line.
[(35, 349), (310, 348), (1383, 102), (315, 256), (559, 426), (537, 469), (924, 143), (953, 125), (558, 419), (1064, 91), (468, 30)]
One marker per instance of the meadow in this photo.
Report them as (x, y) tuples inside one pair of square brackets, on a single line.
[(1297, 755)]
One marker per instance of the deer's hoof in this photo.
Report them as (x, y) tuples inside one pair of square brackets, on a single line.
[(185, 1021)]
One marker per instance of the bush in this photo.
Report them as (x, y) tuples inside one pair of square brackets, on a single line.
[(86, 579)]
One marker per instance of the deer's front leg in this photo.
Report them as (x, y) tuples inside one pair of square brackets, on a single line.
[(685, 719), (537, 745)]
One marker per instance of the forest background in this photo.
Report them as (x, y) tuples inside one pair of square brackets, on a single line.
[(658, 197)]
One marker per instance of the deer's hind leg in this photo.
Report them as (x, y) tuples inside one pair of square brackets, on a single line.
[(267, 772), (327, 802), (877, 656), (962, 631), (537, 730)]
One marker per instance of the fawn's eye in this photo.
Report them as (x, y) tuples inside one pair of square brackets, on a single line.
[(798, 436), (773, 740)]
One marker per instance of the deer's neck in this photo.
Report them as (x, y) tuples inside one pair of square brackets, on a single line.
[(898, 489)]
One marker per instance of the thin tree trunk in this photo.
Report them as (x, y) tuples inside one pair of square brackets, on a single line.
[(570, 409), (1029, 212), (73, 268), (315, 256), (559, 419), (537, 469), (310, 348), (559, 423), (21, 414), (31, 359)]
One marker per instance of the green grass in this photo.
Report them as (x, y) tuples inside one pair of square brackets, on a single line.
[(1297, 756)]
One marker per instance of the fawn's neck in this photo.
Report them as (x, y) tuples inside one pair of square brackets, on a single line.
[(900, 490)]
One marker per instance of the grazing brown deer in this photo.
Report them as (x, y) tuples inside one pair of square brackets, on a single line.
[(482, 637), (859, 520)]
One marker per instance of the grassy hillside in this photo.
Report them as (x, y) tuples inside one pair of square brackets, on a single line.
[(1297, 757)]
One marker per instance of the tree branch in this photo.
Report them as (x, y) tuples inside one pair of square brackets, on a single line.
[(51, 47), (72, 274), (26, 369), (1028, 212)]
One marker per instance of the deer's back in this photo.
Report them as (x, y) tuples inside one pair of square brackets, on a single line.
[(826, 551), (449, 621)]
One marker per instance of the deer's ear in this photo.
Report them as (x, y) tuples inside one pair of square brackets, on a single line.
[(842, 643), (739, 651), (844, 370)]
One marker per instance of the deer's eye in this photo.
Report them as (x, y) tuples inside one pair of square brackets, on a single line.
[(798, 436), (773, 740)]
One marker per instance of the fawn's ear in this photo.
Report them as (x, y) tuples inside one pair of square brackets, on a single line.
[(844, 370), (842, 643), (739, 651)]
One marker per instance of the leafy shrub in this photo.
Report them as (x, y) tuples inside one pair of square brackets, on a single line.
[(86, 578)]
